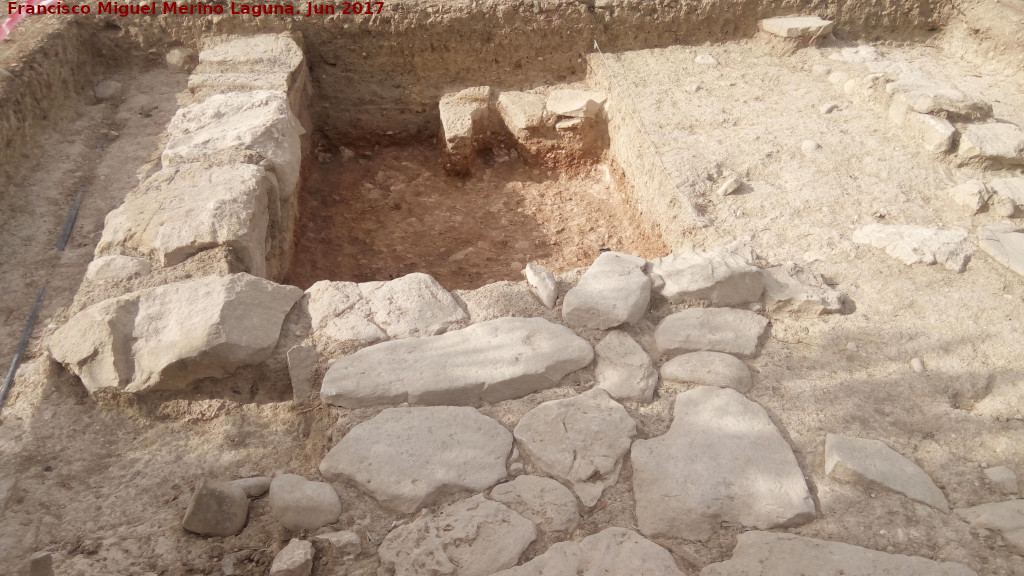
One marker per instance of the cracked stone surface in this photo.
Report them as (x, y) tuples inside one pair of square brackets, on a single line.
[(543, 501), (722, 460), (407, 458), (579, 441), (413, 305)]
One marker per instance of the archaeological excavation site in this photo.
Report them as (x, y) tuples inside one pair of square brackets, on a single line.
[(512, 287)]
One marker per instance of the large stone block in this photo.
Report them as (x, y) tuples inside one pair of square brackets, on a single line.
[(613, 291)]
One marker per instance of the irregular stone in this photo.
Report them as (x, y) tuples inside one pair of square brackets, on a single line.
[(935, 134), (579, 441), (543, 283), (40, 564), (926, 95), (463, 118), (295, 559), (709, 369), (918, 244), (1012, 188), (253, 487), (972, 194), (300, 504), (116, 268), (224, 127), (797, 26), (543, 501), (999, 142), (354, 330), (793, 289), (1002, 478), (706, 59), (472, 537), (731, 184), (868, 89), (108, 90), (917, 365), (828, 108), (575, 103), (329, 300), (1007, 518), (503, 299), (346, 543), (249, 63), (522, 112), (413, 305), (723, 278), (722, 460), (737, 332), (1005, 244), (216, 509), (623, 369), (491, 361), (569, 124), (612, 551), (180, 59), (613, 291), (431, 453), (301, 366), (1003, 206), (872, 464), (185, 209), (777, 554), (168, 337)]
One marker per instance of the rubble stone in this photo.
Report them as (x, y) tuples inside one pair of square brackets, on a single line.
[(623, 369), (543, 283), (918, 244), (295, 559), (612, 292), (737, 332), (709, 369), (413, 305), (793, 289), (723, 278), (998, 142), (300, 504), (216, 509), (543, 501), (612, 551)]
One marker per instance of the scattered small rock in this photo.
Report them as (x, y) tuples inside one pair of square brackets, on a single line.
[(216, 509), (796, 290), (810, 146), (828, 108), (295, 559), (917, 365), (731, 184), (706, 59), (300, 504), (872, 464), (1002, 478), (543, 283), (623, 369), (709, 369), (543, 501)]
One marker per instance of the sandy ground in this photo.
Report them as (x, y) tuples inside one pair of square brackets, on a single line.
[(104, 482)]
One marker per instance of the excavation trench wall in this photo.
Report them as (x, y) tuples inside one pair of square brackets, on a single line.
[(379, 79)]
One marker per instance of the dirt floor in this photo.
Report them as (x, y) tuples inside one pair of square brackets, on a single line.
[(104, 482), (393, 211)]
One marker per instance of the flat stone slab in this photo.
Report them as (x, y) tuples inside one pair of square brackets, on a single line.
[(183, 210), (579, 441), (300, 504), (797, 26), (737, 332), (919, 245), (623, 369), (408, 457), (249, 63), (168, 337), (723, 278), (997, 142), (798, 291), (472, 537), (774, 554), (709, 369), (543, 501), (723, 460), (612, 551), (612, 292), (575, 103), (872, 464), (490, 362), (1005, 244), (413, 305), (1007, 518), (226, 126)]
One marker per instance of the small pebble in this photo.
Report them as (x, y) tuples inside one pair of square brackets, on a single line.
[(851, 346), (809, 146), (917, 365), (828, 108), (705, 59)]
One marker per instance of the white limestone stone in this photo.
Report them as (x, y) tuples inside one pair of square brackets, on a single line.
[(972, 194), (918, 244), (1012, 188), (295, 559), (935, 134), (491, 361), (723, 278), (927, 95), (779, 554), (168, 337), (354, 330), (301, 504), (406, 458), (116, 268), (579, 441), (797, 26), (795, 290), (737, 332), (248, 63), (543, 501), (623, 369), (997, 142), (464, 116), (723, 460), (612, 292), (472, 537), (543, 283), (413, 305), (328, 300), (1005, 244), (1006, 518), (575, 103), (522, 112), (709, 369), (872, 464), (254, 486), (612, 551), (185, 209)]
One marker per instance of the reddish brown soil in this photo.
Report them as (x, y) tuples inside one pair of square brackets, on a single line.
[(394, 211)]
